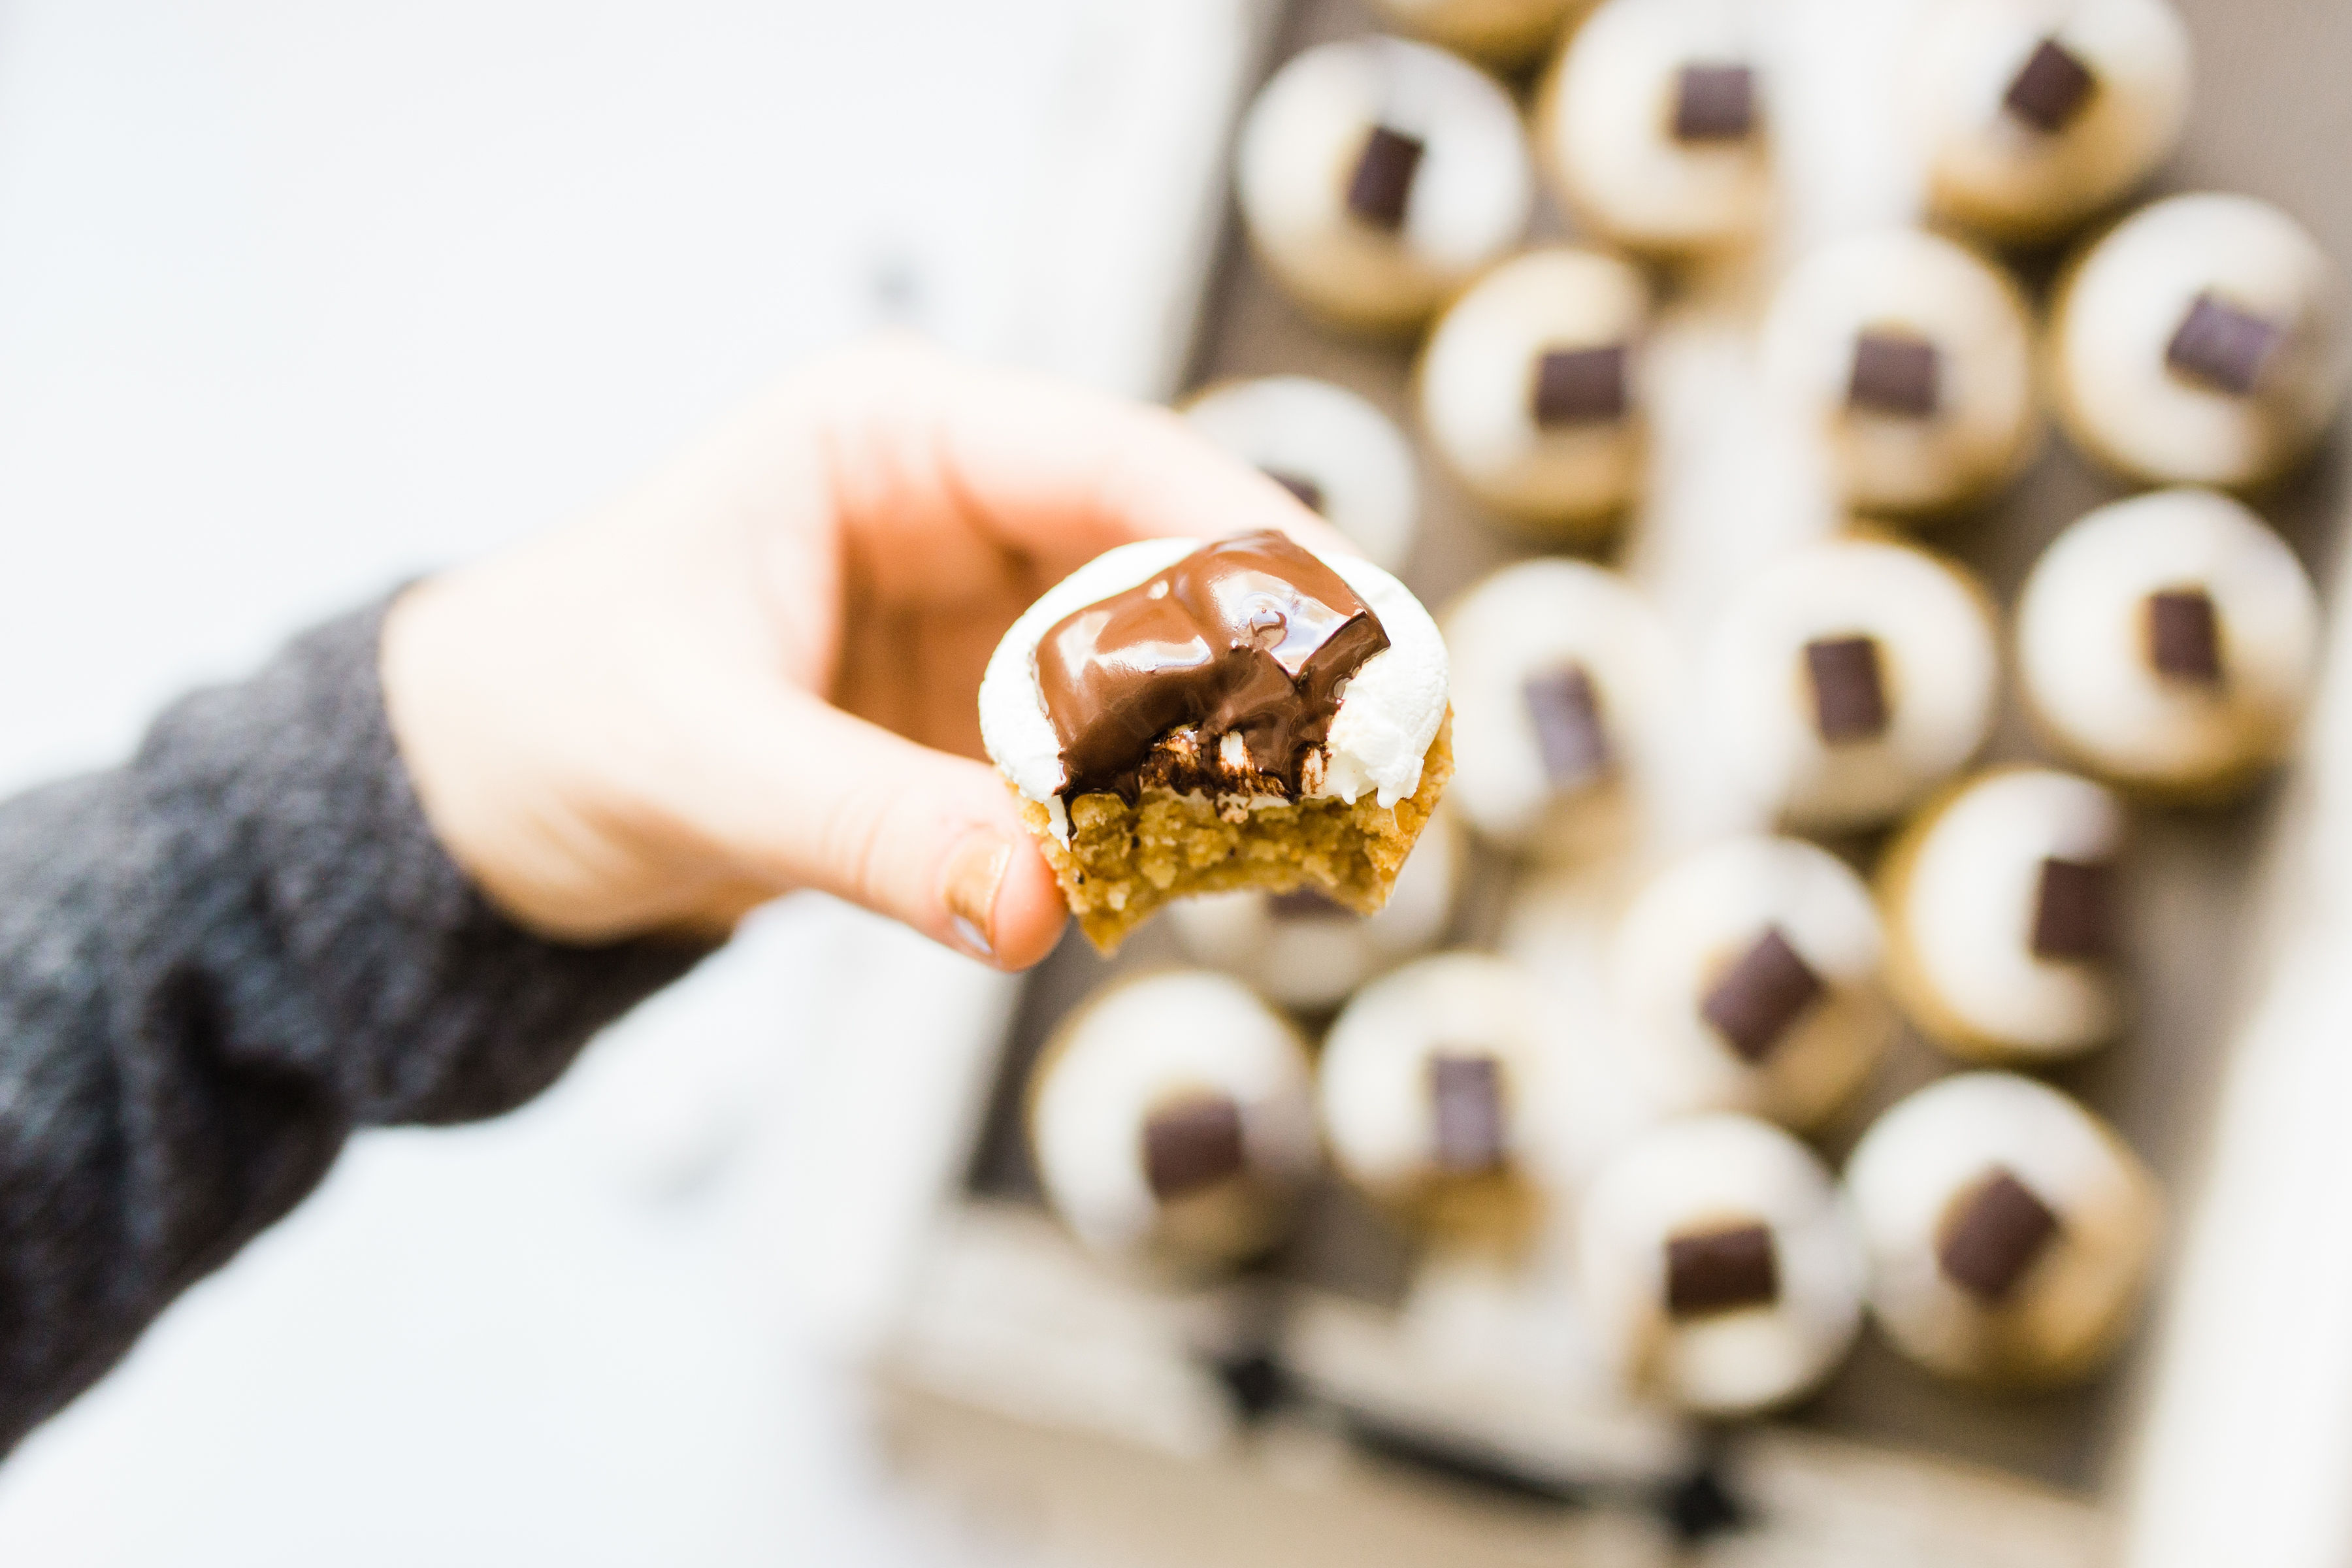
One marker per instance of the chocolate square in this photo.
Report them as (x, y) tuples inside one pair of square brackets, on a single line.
[(2184, 636), (2074, 909), (1569, 734), (1465, 1093), (1721, 1271), (1849, 698), (1382, 181), (1715, 103), (1993, 1235), (1309, 493), (1757, 998), (1579, 386), (2223, 347), (1895, 373), (1308, 904), (2050, 89), (1191, 1145)]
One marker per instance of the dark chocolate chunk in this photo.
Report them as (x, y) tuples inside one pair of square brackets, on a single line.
[(1715, 103), (2074, 909), (1579, 386), (1569, 734), (2050, 89), (1720, 1270), (1467, 1093), (2223, 347), (1849, 699), (1308, 904), (1993, 1235), (1191, 1145), (2184, 636), (1895, 373), (1382, 181), (1761, 996), (1251, 636), (1309, 493)]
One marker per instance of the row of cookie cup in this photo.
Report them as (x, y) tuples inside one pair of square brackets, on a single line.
[(2201, 341), (1377, 176), (1758, 974), (2002, 1232), (2166, 643)]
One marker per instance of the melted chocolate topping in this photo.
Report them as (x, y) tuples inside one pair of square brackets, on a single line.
[(1250, 638)]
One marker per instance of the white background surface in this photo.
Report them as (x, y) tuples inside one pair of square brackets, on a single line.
[(296, 299)]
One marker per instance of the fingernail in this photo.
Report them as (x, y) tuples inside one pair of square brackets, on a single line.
[(975, 869)]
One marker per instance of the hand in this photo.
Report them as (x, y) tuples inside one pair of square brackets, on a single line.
[(760, 671)]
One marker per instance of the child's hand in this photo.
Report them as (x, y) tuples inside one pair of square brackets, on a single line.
[(759, 672)]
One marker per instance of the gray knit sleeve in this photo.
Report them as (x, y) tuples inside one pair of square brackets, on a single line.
[(215, 963)]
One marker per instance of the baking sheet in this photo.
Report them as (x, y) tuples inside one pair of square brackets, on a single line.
[(2268, 120)]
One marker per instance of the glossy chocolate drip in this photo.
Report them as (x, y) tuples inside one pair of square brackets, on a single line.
[(1249, 638)]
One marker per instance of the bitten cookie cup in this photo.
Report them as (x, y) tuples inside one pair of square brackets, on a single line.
[(1171, 1120), (2034, 114), (1301, 949), (1561, 676), (1377, 176), (1912, 358), (1718, 1266), (1505, 34), (1178, 717), (1338, 454), (2200, 342), (2009, 1231), (1652, 127), (1530, 390), (1747, 978), (2001, 911), (1848, 679), (2168, 644), (1425, 1086)]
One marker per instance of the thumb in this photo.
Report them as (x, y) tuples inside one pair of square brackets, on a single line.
[(929, 840)]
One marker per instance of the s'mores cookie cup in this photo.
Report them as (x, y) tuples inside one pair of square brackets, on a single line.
[(2009, 1231), (1505, 34), (1747, 978), (1302, 951), (1848, 679), (1651, 129), (1530, 390), (1342, 458), (1426, 1086), (1180, 717), (1171, 1120), (2201, 341), (1911, 360), (2168, 644), (1561, 685), (1377, 176), (2034, 114), (1718, 1266), (2001, 906)]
